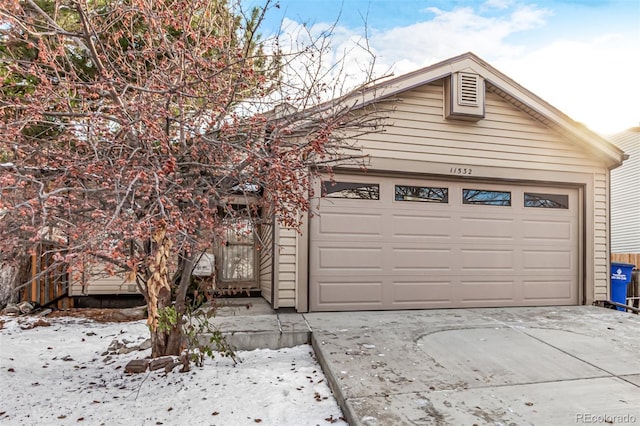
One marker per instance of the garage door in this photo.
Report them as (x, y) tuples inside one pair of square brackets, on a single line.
[(385, 243)]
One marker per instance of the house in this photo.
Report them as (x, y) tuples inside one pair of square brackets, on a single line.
[(625, 196), (477, 194)]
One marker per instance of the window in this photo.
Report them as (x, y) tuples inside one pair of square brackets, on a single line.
[(549, 201), (361, 191), (238, 254), (487, 198), (422, 193)]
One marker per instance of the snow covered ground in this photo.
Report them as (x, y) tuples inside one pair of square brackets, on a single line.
[(63, 374)]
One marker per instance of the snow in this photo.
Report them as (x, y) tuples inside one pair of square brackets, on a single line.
[(64, 374)]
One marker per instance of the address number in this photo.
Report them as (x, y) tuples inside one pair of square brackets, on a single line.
[(460, 170)]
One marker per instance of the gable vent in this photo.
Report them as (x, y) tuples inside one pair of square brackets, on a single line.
[(468, 93), (464, 97)]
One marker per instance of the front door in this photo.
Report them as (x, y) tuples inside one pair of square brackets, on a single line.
[(237, 258)]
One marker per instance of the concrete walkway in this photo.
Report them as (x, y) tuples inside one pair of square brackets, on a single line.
[(538, 366)]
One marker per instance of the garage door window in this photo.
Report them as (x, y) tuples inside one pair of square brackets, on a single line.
[(487, 198), (549, 201), (422, 193), (352, 190)]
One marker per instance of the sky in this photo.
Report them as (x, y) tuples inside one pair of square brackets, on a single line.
[(61, 371), (581, 56)]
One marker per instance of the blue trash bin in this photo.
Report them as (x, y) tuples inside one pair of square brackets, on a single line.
[(620, 279)]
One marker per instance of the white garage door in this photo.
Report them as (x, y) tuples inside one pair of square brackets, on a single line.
[(386, 243)]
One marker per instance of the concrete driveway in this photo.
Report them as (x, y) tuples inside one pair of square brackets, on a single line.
[(520, 366)]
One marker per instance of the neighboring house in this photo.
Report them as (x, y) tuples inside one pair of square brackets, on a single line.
[(625, 195), (477, 194)]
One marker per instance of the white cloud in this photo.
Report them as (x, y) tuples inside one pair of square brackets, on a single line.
[(589, 79), (592, 80), (528, 17), (496, 4), (451, 33)]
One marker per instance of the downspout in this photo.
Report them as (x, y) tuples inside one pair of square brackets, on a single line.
[(275, 261), (608, 269)]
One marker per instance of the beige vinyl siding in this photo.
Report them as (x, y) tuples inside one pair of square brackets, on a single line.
[(601, 247), (286, 268), (507, 137), (625, 195), (99, 282)]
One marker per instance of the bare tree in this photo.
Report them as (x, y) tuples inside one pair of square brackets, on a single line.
[(127, 126)]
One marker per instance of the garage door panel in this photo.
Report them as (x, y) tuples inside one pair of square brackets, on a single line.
[(354, 259), (355, 292), (345, 224), (557, 261), (485, 228), (421, 259), (421, 291), (483, 291), (547, 230), (486, 260), (413, 226), (554, 290), (397, 254)]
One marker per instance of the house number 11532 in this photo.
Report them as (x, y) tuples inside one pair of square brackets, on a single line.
[(460, 170)]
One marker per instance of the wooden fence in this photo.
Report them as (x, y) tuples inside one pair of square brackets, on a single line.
[(49, 286), (632, 258)]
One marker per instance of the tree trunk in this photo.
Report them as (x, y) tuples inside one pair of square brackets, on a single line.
[(165, 343), (168, 342), (173, 342)]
